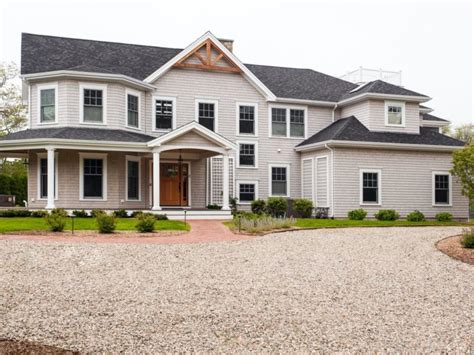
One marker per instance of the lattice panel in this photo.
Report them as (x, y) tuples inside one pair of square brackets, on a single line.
[(215, 175)]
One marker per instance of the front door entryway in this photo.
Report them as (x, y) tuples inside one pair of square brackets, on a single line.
[(174, 184)]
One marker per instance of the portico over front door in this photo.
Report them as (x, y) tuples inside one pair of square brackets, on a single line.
[(174, 184)]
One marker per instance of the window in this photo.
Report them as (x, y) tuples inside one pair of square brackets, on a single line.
[(47, 105), (93, 176), (279, 180), (133, 178), (247, 192), (247, 154), (43, 176), (164, 113), (370, 187), (441, 188), (132, 110), (394, 114), (247, 119), (288, 122), (93, 105), (207, 115)]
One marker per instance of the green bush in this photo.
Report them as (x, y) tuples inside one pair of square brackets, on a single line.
[(214, 206), (136, 214), (80, 213), (146, 223), (121, 213), (415, 216), (15, 213), (258, 206), (56, 220), (161, 217), (277, 206), (247, 215), (387, 215), (357, 215), (303, 207), (39, 213), (96, 212), (233, 204), (444, 217), (105, 223), (467, 239)]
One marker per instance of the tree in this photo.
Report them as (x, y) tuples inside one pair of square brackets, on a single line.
[(12, 110), (465, 133), (463, 169)]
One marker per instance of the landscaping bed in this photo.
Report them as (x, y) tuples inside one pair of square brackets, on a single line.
[(14, 347), (452, 246)]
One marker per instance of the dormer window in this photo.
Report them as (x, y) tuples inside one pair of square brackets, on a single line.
[(395, 114)]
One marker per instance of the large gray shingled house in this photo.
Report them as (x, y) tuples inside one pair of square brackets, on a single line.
[(115, 125)]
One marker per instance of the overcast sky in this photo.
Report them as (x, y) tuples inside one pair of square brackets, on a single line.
[(431, 43)]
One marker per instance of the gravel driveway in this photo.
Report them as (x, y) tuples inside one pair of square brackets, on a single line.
[(373, 289)]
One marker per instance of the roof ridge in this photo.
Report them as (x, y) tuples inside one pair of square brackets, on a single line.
[(347, 120)]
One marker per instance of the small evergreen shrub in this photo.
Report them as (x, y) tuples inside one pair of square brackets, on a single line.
[(415, 216), (214, 206), (96, 212), (80, 213), (39, 213), (15, 213), (303, 207), (258, 206), (56, 220), (161, 217), (105, 223), (146, 223), (444, 217), (467, 239), (136, 214), (121, 213), (277, 206), (387, 215), (357, 215)]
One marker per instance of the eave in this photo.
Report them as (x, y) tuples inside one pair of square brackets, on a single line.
[(369, 95)]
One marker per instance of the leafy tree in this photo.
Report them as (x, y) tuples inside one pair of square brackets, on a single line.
[(463, 132), (12, 110), (463, 169)]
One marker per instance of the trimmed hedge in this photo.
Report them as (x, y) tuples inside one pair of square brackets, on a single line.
[(357, 215), (444, 217), (303, 207), (106, 223), (277, 206), (258, 206), (387, 215), (415, 216)]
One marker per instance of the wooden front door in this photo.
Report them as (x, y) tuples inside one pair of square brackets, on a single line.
[(173, 184)]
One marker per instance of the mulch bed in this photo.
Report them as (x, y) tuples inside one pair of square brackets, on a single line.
[(14, 347), (452, 246)]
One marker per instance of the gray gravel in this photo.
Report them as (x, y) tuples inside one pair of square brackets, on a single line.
[(378, 289)]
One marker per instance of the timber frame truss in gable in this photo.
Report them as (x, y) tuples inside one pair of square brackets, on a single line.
[(207, 62)]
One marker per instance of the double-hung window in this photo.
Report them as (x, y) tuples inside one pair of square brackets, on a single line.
[(296, 123), (394, 113), (93, 177), (288, 122), (279, 180), (93, 106), (279, 122), (370, 187), (207, 114), (133, 178), (441, 188), (164, 113), (247, 155), (47, 103), (247, 191), (133, 103), (247, 123)]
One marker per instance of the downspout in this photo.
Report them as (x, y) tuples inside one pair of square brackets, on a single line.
[(333, 112), (332, 178)]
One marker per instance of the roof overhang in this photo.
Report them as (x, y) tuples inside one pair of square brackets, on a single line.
[(209, 36), (306, 102), (58, 74), (431, 123), (426, 109), (369, 95), (377, 145)]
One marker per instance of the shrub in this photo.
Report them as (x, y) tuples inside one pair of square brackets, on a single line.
[(444, 217), (56, 220), (105, 223), (258, 206), (15, 213), (266, 223), (121, 213), (357, 215), (415, 216), (304, 207), (247, 215), (146, 223), (277, 206), (39, 213), (80, 213), (136, 214), (233, 204), (160, 217), (214, 206), (467, 239), (387, 215), (96, 212)]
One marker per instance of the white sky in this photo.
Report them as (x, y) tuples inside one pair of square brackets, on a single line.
[(432, 43)]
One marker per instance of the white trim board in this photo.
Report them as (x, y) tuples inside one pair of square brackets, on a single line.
[(255, 144), (434, 204), (47, 86), (38, 182), (153, 113), (92, 86), (237, 184), (237, 119), (83, 156), (379, 186), (288, 179), (138, 94)]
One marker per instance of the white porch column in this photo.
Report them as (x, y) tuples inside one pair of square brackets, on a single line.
[(51, 178), (225, 182), (156, 182)]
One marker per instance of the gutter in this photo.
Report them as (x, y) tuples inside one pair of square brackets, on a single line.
[(379, 145), (332, 178), (334, 111)]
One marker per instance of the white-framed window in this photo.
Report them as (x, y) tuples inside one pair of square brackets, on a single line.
[(395, 113), (371, 187), (207, 113), (247, 191), (132, 105), (43, 176), (48, 103), (247, 119), (132, 178), (287, 122), (93, 103), (164, 118), (279, 180), (442, 188), (93, 176), (248, 154)]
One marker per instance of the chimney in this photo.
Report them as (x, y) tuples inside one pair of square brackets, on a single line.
[(228, 43)]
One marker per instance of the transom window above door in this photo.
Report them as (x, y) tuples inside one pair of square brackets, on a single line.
[(165, 113), (206, 114)]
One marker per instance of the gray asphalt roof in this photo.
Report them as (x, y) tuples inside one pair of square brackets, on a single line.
[(93, 134), (351, 129), (428, 117), (40, 53)]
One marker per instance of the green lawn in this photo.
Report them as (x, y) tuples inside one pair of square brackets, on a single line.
[(14, 224), (341, 223)]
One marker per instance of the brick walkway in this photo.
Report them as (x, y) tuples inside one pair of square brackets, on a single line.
[(202, 231)]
